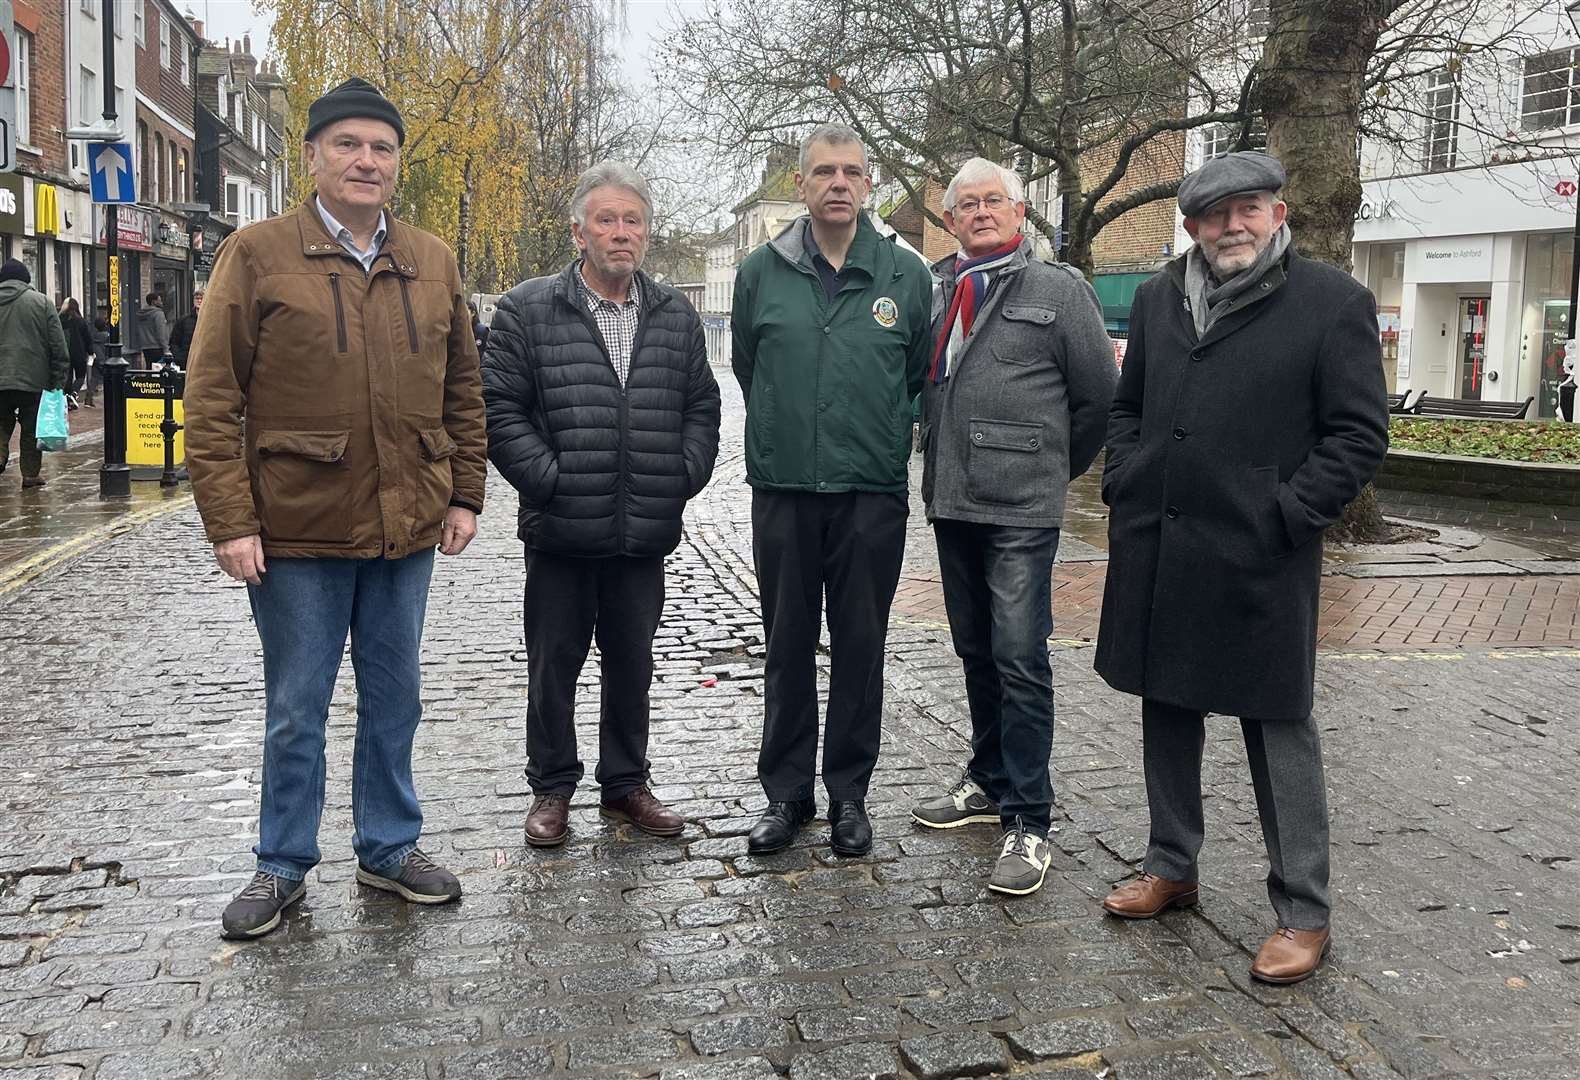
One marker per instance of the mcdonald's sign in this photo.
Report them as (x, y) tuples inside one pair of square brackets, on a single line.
[(46, 210)]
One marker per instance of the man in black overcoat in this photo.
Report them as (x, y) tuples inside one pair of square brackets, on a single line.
[(1250, 410)]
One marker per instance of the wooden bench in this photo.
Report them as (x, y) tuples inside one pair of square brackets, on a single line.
[(1407, 403), (1472, 409)]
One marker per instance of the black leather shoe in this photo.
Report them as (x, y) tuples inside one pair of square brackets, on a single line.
[(851, 831), (778, 826)]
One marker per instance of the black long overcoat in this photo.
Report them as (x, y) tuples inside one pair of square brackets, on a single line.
[(1228, 455)]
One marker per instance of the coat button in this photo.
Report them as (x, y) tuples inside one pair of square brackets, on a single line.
[(1172, 512), (977, 437), (1179, 433), (1197, 357), (822, 406), (1033, 442)]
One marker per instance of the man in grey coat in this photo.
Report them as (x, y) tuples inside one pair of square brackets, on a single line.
[(1251, 409), (1014, 407), (33, 358)]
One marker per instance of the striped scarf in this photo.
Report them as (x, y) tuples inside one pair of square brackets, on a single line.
[(971, 285)]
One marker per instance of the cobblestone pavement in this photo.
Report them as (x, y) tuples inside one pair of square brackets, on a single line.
[(128, 778)]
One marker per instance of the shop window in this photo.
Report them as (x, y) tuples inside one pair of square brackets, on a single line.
[(1441, 110), (1550, 93), (1545, 319)]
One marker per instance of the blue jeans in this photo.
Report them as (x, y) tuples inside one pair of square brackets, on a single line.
[(304, 609), (999, 598)]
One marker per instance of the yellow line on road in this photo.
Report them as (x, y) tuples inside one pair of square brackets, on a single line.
[(14, 577)]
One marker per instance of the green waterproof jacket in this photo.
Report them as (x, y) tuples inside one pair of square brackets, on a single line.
[(33, 352), (829, 383)]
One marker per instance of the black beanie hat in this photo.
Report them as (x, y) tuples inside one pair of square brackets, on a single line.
[(353, 98), (15, 270)]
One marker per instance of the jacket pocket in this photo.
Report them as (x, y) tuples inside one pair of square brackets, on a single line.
[(434, 482), (340, 313), (1002, 464), (1020, 339), (302, 485), (760, 414)]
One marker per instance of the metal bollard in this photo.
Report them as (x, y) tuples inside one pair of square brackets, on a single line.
[(115, 477), (168, 427)]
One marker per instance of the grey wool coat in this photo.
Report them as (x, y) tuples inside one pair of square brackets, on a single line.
[(1026, 404), (1227, 458)]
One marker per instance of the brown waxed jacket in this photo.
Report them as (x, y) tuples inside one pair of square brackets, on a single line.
[(361, 396)]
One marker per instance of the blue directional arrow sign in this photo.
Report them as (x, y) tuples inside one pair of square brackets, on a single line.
[(110, 172)]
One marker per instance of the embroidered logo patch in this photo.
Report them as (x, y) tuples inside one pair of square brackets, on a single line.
[(885, 311)]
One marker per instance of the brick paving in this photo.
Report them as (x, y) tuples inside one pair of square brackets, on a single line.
[(128, 778), (1355, 612)]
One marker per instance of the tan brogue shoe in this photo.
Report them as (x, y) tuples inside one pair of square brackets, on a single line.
[(641, 808), (1290, 955), (1149, 896), (548, 821)]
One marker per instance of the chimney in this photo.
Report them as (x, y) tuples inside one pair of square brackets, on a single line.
[(197, 28), (246, 44)]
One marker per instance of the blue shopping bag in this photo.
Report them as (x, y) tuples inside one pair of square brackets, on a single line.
[(51, 431)]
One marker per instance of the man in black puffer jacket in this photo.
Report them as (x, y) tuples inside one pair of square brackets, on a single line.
[(604, 415)]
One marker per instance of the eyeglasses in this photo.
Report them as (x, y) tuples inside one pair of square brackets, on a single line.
[(993, 203)]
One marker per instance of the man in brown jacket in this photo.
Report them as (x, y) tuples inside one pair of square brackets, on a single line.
[(335, 435)]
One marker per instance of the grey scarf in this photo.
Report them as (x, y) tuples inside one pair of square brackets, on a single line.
[(1208, 298)]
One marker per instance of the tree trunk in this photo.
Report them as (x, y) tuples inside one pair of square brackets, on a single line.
[(1313, 75), (463, 252)]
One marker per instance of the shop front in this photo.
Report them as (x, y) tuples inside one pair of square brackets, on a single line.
[(1471, 275), (14, 241), (172, 265), (135, 233)]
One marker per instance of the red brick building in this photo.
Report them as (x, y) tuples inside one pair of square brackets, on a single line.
[(163, 147)]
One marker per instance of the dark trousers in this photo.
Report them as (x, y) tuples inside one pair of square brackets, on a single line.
[(1291, 800), (15, 406), (999, 597), (848, 545), (570, 601)]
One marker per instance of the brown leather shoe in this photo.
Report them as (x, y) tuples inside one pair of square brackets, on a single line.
[(1290, 955), (548, 820), (1149, 896), (641, 808)]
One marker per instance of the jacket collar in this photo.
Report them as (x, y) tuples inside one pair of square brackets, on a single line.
[(318, 244), (791, 245), (1250, 300), (565, 288)]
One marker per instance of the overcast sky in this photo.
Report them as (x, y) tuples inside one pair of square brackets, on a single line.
[(645, 19)]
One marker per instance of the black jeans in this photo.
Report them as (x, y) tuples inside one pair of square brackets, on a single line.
[(999, 596), (21, 405), (568, 602), (849, 544)]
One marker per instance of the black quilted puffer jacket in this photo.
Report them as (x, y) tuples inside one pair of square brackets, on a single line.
[(602, 469)]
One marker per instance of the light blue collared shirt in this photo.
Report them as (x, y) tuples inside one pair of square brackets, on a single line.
[(343, 234)]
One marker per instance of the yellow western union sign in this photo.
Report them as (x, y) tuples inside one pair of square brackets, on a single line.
[(145, 411), (46, 210)]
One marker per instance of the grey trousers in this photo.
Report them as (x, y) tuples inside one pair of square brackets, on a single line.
[(1291, 800)]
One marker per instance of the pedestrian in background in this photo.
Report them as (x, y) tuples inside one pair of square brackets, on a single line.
[(33, 359), (479, 328), (1250, 410), (101, 353), (153, 332), (79, 345), (830, 329), (335, 435), (1014, 408), (181, 333), (604, 415)]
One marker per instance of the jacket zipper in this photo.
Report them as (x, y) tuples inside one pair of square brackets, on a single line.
[(411, 322), (340, 311)]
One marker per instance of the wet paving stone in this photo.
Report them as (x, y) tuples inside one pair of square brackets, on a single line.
[(130, 814)]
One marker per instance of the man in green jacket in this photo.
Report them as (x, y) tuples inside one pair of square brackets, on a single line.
[(33, 358), (830, 327)]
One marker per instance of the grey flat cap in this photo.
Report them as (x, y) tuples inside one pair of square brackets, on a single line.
[(1239, 173)]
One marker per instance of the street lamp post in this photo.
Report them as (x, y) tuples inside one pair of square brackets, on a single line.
[(1572, 9), (115, 477)]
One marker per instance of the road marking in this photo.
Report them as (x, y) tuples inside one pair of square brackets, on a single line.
[(1469, 654), (14, 577)]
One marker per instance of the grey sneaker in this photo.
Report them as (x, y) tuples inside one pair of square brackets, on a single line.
[(416, 878), (1022, 863), (259, 907), (963, 804)]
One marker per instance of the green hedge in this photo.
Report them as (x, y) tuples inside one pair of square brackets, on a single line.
[(1516, 440)]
